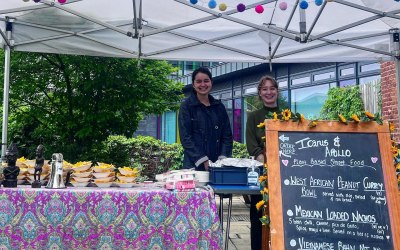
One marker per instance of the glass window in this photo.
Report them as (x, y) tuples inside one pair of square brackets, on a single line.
[(324, 76), (223, 69), (147, 126), (168, 127), (346, 72), (188, 67), (226, 95), (370, 67), (370, 79), (250, 90), (301, 80), (251, 103), (214, 71), (228, 68), (345, 83), (283, 99), (234, 67), (237, 120), (237, 93), (282, 84), (309, 101), (217, 71)]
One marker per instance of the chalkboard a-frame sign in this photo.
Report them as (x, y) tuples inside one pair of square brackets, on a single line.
[(332, 186)]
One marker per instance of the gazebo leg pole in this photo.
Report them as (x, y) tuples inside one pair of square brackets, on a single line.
[(7, 66)]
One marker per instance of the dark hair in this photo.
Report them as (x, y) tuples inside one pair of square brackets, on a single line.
[(266, 78), (203, 70)]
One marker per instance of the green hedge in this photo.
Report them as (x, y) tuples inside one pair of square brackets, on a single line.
[(346, 101), (152, 155)]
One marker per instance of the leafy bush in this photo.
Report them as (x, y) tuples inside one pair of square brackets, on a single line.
[(115, 150), (152, 155), (239, 150), (346, 101)]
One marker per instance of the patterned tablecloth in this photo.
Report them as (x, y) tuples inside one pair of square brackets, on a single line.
[(114, 218)]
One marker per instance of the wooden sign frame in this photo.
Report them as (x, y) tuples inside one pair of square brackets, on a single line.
[(272, 128)]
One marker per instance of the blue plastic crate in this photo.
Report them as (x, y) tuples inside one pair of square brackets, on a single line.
[(228, 175)]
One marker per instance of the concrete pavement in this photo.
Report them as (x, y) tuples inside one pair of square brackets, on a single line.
[(239, 235)]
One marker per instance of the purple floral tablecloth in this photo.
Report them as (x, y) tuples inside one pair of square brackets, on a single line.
[(95, 218)]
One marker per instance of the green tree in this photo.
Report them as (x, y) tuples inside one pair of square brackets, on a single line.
[(346, 101), (72, 103)]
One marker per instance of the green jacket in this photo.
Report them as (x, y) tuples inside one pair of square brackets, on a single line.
[(254, 142)]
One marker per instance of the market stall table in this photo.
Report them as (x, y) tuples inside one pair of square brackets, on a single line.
[(111, 218)]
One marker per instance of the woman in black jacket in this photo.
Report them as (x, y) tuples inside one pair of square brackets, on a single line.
[(204, 126)]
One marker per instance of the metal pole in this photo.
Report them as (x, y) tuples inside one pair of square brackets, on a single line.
[(7, 57)]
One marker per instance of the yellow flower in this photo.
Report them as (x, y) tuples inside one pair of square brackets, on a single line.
[(266, 190), (261, 125), (355, 118), (262, 178), (312, 124), (398, 166), (369, 115), (275, 116), (302, 118), (260, 204), (263, 138), (395, 151), (286, 114), (265, 165), (342, 119), (391, 127)]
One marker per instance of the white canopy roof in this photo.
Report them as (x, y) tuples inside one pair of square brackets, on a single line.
[(337, 30)]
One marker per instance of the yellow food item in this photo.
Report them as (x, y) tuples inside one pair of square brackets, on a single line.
[(22, 159), (81, 163), (67, 164), (126, 168), (104, 165), (135, 170)]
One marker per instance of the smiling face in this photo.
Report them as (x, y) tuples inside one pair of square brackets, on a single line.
[(268, 93), (202, 84)]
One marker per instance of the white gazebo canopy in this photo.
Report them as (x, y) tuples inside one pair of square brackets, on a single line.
[(337, 30), (326, 31)]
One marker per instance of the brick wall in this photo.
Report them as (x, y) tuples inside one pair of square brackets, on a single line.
[(390, 110)]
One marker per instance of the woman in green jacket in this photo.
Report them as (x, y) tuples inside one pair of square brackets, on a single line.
[(255, 142)]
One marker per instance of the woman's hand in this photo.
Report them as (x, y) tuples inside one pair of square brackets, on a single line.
[(206, 164), (260, 158)]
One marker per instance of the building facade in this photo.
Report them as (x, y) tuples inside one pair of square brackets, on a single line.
[(303, 88)]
